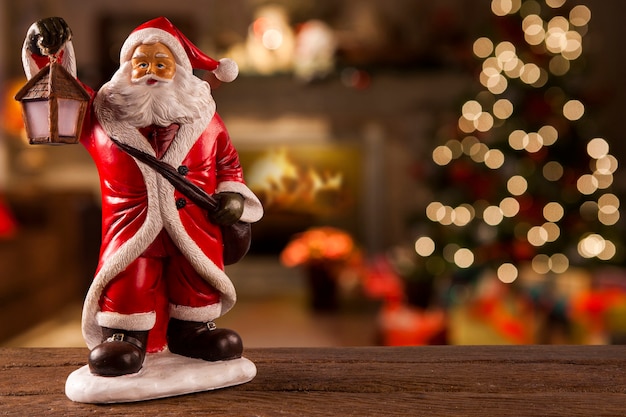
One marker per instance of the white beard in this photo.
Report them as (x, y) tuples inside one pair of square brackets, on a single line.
[(181, 100)]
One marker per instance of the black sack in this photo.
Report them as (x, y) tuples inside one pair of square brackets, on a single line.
[(237, 238)]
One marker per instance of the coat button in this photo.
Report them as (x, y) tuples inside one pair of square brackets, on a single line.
[(183, 170), (180, 203)]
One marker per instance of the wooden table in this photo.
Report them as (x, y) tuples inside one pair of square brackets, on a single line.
[(370, 381)]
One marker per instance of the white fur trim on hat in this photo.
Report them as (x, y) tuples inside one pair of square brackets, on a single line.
[(150, 36)]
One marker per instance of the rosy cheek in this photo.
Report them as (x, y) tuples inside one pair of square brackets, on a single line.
[(165, 73), (137, 73)]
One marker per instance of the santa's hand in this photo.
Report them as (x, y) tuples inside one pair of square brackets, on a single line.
[(230, 208), (48, 35)]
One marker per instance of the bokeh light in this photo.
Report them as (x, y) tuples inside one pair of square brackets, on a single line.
[(493, 215), (555, 3), (573, 110), (507, 273), (553, 212), (553, 171), (503, 109), (597, 148), (504, 7), (517, 185), (580, 15), (494, 158), (537, 236), (509, 207), (442, 155), (587, 184), (592, 245), (424, 246), (463, 258), (482, 47)]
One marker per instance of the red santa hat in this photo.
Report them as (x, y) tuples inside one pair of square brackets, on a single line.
[(185, 52)]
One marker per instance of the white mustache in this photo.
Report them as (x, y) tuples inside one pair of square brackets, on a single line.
[(148, 77)]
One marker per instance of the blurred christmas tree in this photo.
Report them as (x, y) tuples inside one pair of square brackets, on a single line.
[(523, 181)]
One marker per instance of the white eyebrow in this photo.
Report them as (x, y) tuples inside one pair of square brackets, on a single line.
[(138, 54), (162, 55)]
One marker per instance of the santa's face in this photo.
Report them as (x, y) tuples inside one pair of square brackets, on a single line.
[(152, 88), (153, 63)]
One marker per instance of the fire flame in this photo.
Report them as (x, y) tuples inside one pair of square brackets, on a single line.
[(280, 181)]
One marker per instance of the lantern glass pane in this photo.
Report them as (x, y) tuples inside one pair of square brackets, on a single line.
[(69, 111), (37, 118)]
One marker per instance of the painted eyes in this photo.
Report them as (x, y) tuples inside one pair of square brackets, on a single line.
[(145, 65)]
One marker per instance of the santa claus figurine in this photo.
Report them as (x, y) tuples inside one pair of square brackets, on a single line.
[(160, 281)]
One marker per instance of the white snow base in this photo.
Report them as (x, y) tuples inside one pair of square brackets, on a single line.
[(164, 374)]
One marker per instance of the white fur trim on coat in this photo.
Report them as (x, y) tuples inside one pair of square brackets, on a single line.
[(131, 322), (199, 314), (252, 209)]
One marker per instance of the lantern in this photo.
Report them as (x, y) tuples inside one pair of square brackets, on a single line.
[(53, 106)]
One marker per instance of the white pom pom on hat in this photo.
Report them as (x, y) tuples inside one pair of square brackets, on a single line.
[(227, 70), (185, 52)]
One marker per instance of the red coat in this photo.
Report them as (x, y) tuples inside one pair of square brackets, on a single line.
[(137, 203)]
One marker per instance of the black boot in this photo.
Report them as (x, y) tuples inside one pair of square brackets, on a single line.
[(121, 352), (203, 341)]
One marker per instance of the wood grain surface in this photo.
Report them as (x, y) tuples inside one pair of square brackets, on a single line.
[(364, 381)]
